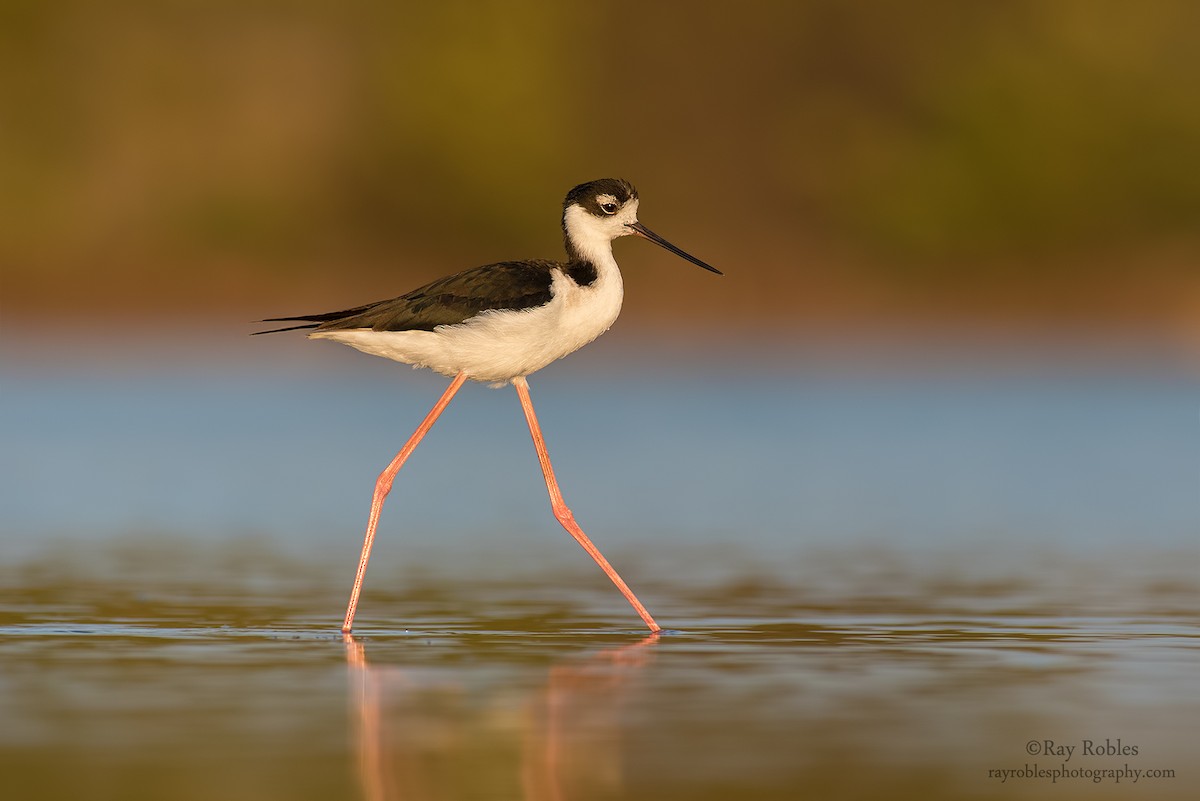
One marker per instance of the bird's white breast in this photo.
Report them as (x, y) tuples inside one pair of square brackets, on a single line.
[(499, 345)]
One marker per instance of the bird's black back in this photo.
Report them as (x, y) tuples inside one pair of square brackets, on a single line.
[(511, 285)]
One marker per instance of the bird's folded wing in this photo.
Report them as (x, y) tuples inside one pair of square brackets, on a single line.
[(507, 285)]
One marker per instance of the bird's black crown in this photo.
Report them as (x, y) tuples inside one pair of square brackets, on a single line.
[(585, 195)]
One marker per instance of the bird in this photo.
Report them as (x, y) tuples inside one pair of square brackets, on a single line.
[(497, 324)]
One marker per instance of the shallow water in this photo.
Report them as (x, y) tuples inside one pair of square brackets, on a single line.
[(907, 683), (883, 582)]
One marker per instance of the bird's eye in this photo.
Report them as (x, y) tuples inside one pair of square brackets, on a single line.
[(608, 208)]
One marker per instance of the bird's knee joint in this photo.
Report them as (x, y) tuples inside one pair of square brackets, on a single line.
[(382, 488)]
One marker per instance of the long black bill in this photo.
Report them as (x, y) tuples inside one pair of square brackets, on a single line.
[(646, 233)]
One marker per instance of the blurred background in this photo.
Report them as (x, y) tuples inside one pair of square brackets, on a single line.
[(918, 479), (861, 165)]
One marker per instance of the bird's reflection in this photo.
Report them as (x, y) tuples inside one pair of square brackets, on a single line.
[(422, 737)]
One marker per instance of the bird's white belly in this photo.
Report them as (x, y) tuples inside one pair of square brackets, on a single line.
[(499, 345)]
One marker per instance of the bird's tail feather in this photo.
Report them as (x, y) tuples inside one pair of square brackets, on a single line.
[(288, 328), (311, 320)]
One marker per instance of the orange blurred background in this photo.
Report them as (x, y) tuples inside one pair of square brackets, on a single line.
[(845, 164)]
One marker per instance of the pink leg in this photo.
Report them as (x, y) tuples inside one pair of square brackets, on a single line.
[(384, 485), (563, 514)]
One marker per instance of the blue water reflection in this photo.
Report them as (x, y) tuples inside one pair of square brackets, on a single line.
[(924, 454)]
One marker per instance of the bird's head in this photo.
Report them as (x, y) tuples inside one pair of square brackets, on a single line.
[(596, 213)]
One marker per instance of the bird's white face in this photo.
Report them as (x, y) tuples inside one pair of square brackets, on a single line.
[(593, 224), (602, 220), (617, 215)]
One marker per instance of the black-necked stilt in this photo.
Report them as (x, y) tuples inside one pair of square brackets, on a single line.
[(498, 324)]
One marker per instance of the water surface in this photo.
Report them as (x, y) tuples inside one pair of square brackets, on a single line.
[(909, 581)]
